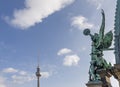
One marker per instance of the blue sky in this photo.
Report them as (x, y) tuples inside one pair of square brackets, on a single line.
[(52, 31)]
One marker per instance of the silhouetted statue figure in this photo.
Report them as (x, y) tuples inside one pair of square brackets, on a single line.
[(100, 42)]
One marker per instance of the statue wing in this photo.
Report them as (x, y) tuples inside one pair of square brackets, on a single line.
[(107, 40)]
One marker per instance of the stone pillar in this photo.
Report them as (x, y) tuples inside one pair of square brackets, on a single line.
[(94, 84)]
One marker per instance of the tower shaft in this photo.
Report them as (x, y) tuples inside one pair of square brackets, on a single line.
[(38, 82), (38, 76)]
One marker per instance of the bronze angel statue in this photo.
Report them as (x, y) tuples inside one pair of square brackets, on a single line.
[(100, 42)]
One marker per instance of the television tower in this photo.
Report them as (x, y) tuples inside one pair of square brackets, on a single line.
[(38, 74)]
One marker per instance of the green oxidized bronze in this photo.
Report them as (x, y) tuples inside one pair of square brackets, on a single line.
[(100, 43)]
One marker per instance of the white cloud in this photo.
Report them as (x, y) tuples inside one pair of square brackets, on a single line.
[(64, 51), (10, 70), (97, 3), (45, 74), (23, 73), (35, 11), (20, 79), (71, 60), (2, 82), (20, 76), (81, 22), (24, 77)]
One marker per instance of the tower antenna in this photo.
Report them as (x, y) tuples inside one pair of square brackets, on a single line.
[(38, 61), (38, 75)]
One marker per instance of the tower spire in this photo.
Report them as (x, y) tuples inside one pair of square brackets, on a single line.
[(38, 73), (117, 42), (38, 61), (117, 32)]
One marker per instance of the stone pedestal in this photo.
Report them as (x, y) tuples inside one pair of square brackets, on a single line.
[(116, 72), (105, 77), (94, 84)]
